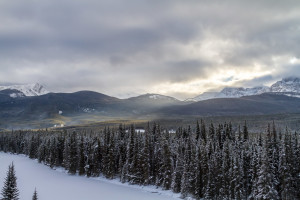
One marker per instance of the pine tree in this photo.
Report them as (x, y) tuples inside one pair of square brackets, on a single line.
[(177, 174), (52, 152), (32, 148), (97, 158), (111, 159), (186, 181), (197, 131), (66, 154), (203, 131), (254, 173), (285, 178), (238, 179), (167, 166), (245, 132), (145, 160), (73, 161), (10, 190), (225, 171), (35, 196), (81, 164), (266, 187), (60, 150), (211, 131), (199, 176), (129, 165)]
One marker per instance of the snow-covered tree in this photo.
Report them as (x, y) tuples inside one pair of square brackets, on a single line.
[(10, 190)]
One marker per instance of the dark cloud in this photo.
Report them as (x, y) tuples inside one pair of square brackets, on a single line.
[(128, 48)]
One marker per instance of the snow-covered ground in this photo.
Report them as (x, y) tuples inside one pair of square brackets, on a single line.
[(56, 184)]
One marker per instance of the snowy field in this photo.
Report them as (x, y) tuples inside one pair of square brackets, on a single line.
[(56, 184)]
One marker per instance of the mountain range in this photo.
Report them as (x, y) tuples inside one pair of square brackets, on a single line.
[(33, 104), (287, 86)]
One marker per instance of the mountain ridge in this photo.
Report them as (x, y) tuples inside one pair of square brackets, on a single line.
[(33, 89), (287, 86)]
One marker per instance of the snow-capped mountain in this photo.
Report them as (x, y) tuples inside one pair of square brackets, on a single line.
[(287, 86), (240, 92), (230, 92), (34, 89)]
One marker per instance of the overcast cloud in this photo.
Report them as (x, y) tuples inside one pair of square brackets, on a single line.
[(124, 48)]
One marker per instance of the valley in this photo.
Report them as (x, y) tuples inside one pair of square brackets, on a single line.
[(39, 110)]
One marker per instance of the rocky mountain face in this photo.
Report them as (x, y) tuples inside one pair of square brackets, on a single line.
[(27, 90), (287, 85)]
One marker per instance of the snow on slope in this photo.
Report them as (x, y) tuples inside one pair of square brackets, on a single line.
[(34, 89), (240, 92), (55, 184), (160, 97), (291, 84)]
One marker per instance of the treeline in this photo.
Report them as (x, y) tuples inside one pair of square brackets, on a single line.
[(204, 161)]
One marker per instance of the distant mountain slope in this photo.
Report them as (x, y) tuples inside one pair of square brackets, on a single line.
[(146, 103), (250, 105), (153, 100), (287, 86), (45, 106), (79, 104), (204, 96)]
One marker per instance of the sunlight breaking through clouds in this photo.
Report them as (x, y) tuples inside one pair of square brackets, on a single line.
[(170, 47)]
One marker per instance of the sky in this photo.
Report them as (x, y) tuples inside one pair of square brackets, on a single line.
[(126, 48)]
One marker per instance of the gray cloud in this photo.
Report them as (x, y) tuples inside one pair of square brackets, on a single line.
[(123, 48)]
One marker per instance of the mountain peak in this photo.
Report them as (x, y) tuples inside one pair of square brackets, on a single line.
[(291, 79), (153, 96), (32, 89), (287, 85)]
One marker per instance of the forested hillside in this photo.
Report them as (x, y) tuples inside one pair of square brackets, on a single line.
[(202, 161)]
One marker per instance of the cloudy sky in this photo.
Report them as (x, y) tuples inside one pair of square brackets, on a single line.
[(172, 47)]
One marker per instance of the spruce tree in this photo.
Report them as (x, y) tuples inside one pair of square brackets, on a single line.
[(81, 164), (199, 176), (10, 190), (203, 131), (145, 160), (177, 174), (73, 161), (197, 131), (245, 132), (35, 196), (167, 166), (266, 186), (285, 178)]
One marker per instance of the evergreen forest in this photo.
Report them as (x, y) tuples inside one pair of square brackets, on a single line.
[(204, 161)]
